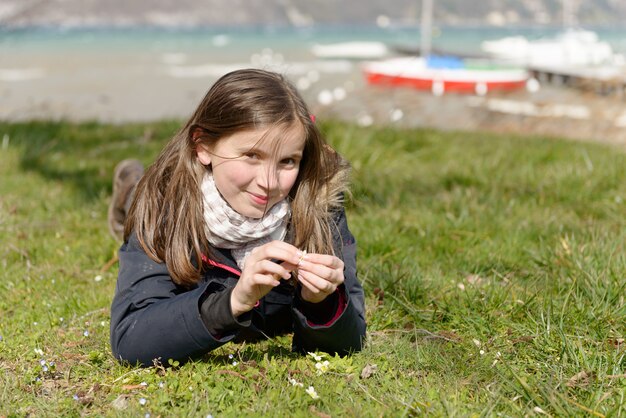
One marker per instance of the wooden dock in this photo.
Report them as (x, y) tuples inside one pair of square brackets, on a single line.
[(607, 80)]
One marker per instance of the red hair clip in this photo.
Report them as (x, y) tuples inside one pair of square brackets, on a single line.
[(312, 116)]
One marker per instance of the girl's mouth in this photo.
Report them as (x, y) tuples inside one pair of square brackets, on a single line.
[(259, 199)]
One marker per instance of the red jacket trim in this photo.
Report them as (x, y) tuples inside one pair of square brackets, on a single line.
[(341, 306), (220, 265)]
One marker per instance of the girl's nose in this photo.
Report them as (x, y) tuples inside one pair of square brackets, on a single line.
[(267, 178)]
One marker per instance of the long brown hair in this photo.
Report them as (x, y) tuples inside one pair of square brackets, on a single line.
[(167, 212)]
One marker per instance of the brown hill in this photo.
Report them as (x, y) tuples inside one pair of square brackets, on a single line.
[(176, 13)]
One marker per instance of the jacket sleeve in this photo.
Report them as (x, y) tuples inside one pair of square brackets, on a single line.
[(153, 318), (346, 331)]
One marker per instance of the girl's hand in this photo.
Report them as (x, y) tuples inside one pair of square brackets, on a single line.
[(260, 274), (320, 276)]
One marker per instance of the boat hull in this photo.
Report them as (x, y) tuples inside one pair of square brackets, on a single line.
[(456, 86), (415, 73)]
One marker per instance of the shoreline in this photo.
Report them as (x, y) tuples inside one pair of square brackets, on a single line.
[(146, 86)]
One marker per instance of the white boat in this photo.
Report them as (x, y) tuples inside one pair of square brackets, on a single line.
[(573, 47), (357, 50)]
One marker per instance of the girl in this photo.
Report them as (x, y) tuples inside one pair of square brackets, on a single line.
[(243, 203)]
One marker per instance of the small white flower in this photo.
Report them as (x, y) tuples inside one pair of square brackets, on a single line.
[(476, 342), (42, 362), (235, 363), (35, 323), (103, 323), (142, 401), (39, 351), (294, 382), (143, 384), (461, 286), (86, 333), (98, 278), (315, 356), (161, 385), (230, 356), (482, 352), (322, 367), (61, 319), (312, 393)]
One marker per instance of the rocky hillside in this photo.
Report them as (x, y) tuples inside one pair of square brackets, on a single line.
[(176, 13)]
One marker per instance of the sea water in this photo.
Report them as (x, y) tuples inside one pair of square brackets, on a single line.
[(295, 42)]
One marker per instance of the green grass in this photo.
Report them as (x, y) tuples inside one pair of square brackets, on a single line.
[(494, 269)]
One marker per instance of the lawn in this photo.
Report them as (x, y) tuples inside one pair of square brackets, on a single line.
[(494, 269)]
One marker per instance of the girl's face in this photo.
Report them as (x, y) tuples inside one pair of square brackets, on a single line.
[(254, 170)]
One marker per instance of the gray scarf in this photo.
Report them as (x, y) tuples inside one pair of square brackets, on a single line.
[(226, 228)]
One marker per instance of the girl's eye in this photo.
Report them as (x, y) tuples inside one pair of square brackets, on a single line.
[(252, 155), (289, 162)]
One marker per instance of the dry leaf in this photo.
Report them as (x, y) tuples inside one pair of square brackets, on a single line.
[(380, 295), (604, 397), (474, 279), (368, 371), (314, 411), (83, 399), (232, 373), (121, 402), (450, 336), (523, 339), (133, 387), (580, 379)]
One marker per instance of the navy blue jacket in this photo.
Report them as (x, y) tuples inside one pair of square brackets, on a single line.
[(153, 318)]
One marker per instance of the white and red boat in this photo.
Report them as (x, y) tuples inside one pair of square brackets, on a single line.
[(442, 75)]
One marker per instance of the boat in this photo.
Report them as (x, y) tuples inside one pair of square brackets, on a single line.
[(571, 47), (355, 50), (444, 74)]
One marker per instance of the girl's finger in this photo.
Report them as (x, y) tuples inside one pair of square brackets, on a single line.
[(276, 250), (271, 268), (317, 269), (329, 261), (306, 283), (323, 286), (288, 266), (265, 280)]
